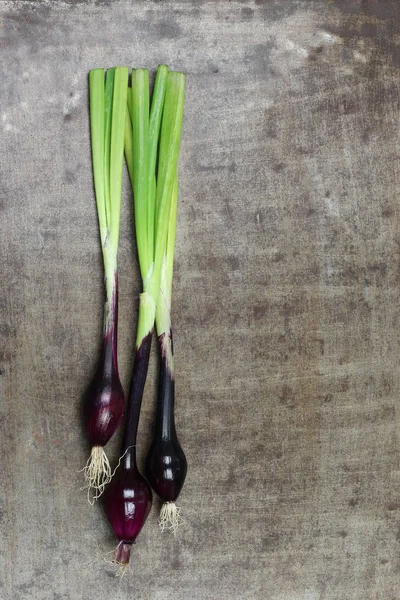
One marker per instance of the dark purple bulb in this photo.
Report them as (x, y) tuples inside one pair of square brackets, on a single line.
[(166, 468), (104, 400)]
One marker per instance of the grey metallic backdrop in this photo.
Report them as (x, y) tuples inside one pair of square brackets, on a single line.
[(286, 299)]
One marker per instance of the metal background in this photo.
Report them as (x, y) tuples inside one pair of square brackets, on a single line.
[(286, 299)]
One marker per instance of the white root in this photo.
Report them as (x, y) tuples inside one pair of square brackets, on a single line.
[(97, 474), (170, 517), (122, 569)]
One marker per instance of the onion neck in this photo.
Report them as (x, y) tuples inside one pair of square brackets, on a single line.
[(147, 309), (165, 420), (110, 327)]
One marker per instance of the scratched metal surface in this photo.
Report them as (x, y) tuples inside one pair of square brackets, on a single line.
[(286, 299)]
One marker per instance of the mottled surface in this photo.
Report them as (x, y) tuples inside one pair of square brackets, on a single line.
[(286, 299)]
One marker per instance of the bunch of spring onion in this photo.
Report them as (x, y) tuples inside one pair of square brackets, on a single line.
[(152, 139), (104, 400)]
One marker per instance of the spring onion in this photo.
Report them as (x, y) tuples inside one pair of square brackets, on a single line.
[(166, 464), (104, 399)]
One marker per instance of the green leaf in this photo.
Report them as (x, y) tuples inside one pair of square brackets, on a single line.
[(157, 106), (96, 98), (140, 122), (117, 150)]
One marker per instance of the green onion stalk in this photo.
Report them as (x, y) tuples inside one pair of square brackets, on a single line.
[(152, 140), (104, 399)]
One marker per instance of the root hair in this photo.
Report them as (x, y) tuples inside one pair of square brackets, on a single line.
[(97, 473), (170, 517)]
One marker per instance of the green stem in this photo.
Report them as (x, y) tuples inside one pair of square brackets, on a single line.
[(128, 144), (107, 118), (163, 314), (96, 94), (140, 122), (117, 151), (108, 100), (171, 242), (157, 105)]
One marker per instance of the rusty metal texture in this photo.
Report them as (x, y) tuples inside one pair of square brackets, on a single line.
[(286, 300)]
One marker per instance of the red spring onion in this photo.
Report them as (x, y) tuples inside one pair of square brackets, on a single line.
[(104, 399), (166, 464)]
